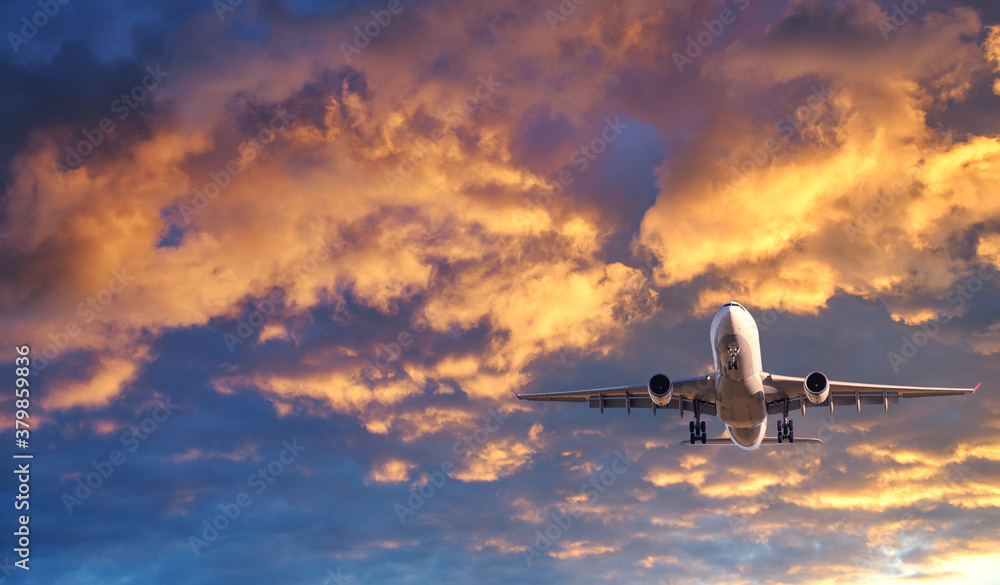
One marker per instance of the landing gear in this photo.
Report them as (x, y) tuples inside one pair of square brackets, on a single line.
[(785, 427), (785, 431), (697, 426), (733, 350)]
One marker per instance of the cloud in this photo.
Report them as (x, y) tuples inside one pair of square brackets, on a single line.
[(501, 458), (852, 191), (391, 471)]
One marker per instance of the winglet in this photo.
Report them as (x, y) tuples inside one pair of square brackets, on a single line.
[(977, 387), (518, 397)]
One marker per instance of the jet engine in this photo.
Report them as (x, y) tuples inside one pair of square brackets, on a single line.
[(817, 387), (660, 389)]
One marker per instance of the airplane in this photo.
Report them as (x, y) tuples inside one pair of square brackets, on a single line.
[(739, 392)]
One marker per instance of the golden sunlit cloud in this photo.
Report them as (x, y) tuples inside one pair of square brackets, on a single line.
[(391, 471), (853, 192)]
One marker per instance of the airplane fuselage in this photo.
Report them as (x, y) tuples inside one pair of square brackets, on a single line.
[(739, 392)]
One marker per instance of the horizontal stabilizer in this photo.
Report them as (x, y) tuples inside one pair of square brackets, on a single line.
[(766, 441)]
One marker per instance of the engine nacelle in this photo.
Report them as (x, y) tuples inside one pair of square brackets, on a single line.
[(661, 389), (817, 387)]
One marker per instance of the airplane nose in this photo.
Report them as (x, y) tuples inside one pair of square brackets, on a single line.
[(733, 311), (724, 316), (729, 316)]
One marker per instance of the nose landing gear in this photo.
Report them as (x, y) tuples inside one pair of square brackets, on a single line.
[(733, 350)]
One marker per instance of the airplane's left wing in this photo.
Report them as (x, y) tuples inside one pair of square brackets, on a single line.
[(685, 393), (778, 389)]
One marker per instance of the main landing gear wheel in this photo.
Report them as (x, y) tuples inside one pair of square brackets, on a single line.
[(697, 426), (785, 431), (785, 425)]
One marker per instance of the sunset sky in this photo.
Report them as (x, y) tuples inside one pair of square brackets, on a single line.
[(280, 264)]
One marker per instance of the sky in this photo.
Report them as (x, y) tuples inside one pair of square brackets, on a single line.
[(279, 265)]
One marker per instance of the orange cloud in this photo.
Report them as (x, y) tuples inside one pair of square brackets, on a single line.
[(391, 471), (853, 192)]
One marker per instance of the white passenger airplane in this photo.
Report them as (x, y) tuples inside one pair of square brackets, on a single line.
[(739, 392)]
